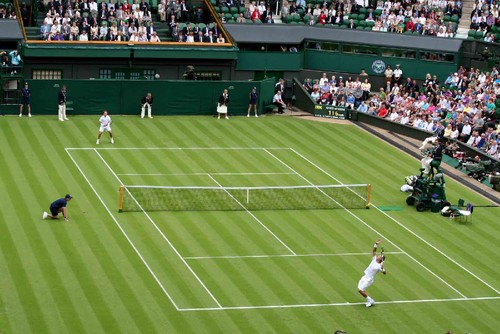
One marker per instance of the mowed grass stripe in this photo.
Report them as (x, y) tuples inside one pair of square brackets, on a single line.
[(81, 272), (80, 268), (45, 274)]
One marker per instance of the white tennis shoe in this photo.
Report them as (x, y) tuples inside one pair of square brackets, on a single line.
[(45, 215)]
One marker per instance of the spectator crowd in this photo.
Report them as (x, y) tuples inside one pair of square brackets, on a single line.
[(463, 107), (119, 20), (434, 17)]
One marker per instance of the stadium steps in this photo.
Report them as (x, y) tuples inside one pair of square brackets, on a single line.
[(33, 33), (464, 24)]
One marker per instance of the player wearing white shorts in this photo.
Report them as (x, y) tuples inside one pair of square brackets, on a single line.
[(105, 125), (377, 265)]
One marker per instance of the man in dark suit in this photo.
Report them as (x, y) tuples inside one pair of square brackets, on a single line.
[(199, 38), (210, 38), (215, 30), (150, 30)]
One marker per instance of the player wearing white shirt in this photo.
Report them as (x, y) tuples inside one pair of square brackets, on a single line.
[(377, 265), (105, 125)]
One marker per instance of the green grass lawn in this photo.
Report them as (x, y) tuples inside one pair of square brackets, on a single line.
[(260, 271)]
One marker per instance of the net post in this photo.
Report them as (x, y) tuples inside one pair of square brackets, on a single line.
[(368, 195), (120, 201)]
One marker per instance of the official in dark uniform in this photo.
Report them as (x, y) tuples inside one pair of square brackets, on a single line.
[(25, 95), (59, 205), (253, 102)]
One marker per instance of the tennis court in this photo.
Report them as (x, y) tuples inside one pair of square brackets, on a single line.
[(243, 259)]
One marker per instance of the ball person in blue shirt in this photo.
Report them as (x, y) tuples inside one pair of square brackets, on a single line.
[(59, 205)]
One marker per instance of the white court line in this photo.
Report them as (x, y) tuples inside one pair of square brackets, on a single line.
[(164, 237), (174, 148), (124, 233), (199, 174), (281, 255), (362, 221), (438, 300), (254, 217)]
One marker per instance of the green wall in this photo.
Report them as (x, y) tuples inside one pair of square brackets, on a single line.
[(124, 97), (352, 63)]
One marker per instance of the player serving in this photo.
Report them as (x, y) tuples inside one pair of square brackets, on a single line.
[(377, 265), (105, 125)]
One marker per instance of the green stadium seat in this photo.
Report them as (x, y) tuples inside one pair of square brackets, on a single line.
[(377, 12), (257, 22), (479, 35), (408, 32), (361, 17), (293, 22), (369, 28), (234, 10), (231, 21), (300, 12), (2, 5), (299, 22), (471, 33), (362, 23), (455, 18), (296, 18), (447, 18), (494, 29), (224, 10), (202, 25), (217, 9), (353, 16), (362, 10), (370, 24), (288, 19), (228, 16), (213, 2), (360, 28)]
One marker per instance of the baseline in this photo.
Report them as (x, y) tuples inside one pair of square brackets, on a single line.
[(414, 301)]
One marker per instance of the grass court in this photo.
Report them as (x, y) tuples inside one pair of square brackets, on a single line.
[(261, 271)]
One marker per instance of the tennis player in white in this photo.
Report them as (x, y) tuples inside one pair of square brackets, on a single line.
[(105, 125), (377, 265)]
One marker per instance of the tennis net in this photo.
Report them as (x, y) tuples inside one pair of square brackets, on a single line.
[(167, 198)]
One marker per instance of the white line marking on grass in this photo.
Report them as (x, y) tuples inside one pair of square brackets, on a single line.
[(281, 255), (124, 233), (439, 300), (200, 174), (413, 233), (254, 217), (163, 236), (361, 220), (175, 148)]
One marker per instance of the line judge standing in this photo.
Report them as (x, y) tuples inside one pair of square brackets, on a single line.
[(147, 103), (222, 105), (62, 104)]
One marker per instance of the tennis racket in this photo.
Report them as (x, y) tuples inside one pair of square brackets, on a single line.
[(382, 253)]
